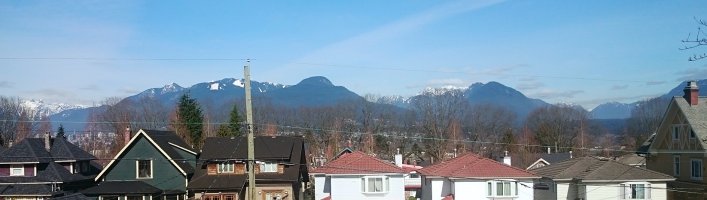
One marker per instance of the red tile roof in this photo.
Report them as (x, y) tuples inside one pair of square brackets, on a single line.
[(475, 166), (448, 197), (357, 163)]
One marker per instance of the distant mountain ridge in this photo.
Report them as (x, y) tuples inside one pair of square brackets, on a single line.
[(615, 110), (319, 91)]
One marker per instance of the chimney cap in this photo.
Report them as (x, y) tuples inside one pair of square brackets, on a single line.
[(691, 84)]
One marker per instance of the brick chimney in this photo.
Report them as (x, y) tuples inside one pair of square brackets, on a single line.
[(692, 93), (47, 141), (126, 136)]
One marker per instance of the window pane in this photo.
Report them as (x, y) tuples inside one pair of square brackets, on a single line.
[(507, 188), (490, 190), (499, 189), (144, 169), (640, 191), (379, 184), (363, 185)]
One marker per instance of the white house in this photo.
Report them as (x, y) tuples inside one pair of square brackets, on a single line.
[(598, 178), (474, 177), (413, 181), (357, 176)]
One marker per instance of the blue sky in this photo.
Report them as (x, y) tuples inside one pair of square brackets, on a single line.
[(584, 52)]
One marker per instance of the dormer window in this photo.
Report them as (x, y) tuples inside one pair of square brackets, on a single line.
[(268, 167), (17, 170), (225, 167)]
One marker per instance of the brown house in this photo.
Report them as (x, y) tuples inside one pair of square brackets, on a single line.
[(679, 146), (280, 172)]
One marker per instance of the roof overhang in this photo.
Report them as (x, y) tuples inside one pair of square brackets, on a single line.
[(492, 178), (12, 163), (377, 174), (627, 180), (536, 162), (182, 148), (64, 161)]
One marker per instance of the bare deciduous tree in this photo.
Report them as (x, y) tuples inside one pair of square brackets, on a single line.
[(698, 39), (557, 125), (439, 111), (645, 119)]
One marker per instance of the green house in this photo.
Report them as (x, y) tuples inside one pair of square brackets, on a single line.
[(152, 165)]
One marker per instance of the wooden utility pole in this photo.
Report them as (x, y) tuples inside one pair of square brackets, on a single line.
[(249, 126)]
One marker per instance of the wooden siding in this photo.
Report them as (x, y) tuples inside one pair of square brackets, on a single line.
[(212, 168), (165, 176), (4, 170), (29, 169), (239, 168)]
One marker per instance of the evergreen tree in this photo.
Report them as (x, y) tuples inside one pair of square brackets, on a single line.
[(60, 132), (233, 127), (191, 117)]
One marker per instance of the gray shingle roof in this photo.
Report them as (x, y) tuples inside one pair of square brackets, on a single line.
[(26, 189), (121, 188), (64, 150), (695, 115), (163, 139), (596, 169), (27, 150)]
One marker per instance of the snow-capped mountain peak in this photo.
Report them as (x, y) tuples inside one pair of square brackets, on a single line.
[(41, 107)]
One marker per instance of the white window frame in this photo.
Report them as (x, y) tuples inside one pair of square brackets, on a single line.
[(14, 167), (676, 132), (227, 167), (676, 165), (492, 188), (268, 167), (694, 171), (626, 190), (365, 183), (137, 169)]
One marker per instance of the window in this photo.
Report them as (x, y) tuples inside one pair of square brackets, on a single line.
[(17, 170), (229, 197), (414, 175), (676, 132), (635, 191), (144, 168), (696, 169), (84, 167), (501, 188), (109, 197), (268, 167), (374, 184), (134, 198), (676, 165), (225, 167), (692, 134)]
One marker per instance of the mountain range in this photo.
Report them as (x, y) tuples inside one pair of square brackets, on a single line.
[(616, 110), (319, 91)]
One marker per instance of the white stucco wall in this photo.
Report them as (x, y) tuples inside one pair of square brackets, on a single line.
[(435, 188), (319, 184), (596, 191), (345, 187), (469, 189)]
